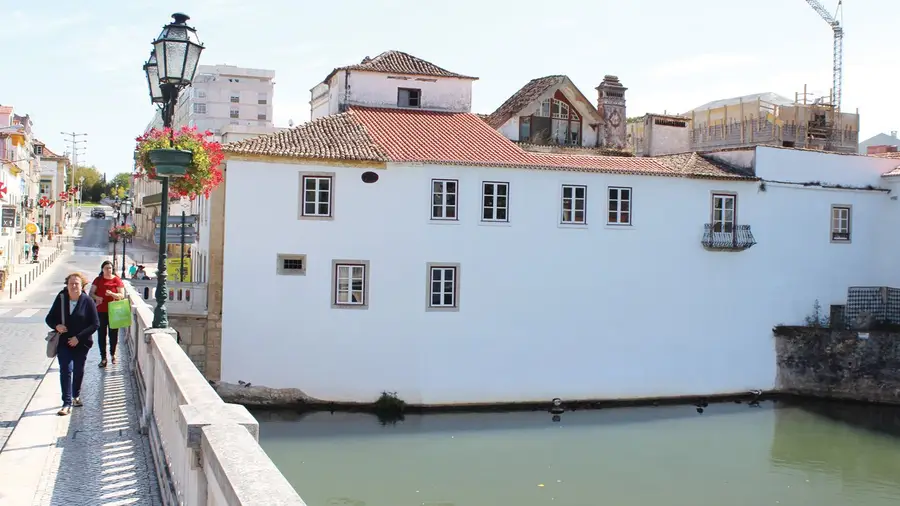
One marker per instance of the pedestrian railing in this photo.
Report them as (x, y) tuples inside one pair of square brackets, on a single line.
[(205, 451), (20, 281), (184, 298)]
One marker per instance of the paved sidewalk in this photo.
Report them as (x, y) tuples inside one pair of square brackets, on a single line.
[(96, 456)]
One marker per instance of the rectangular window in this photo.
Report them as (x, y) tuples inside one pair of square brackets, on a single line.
[(235, 98), (524, 128), (262, 99), (443, 286), (619, 206), (350, 284), (444, 199), (574, 204), (495, 201), (38, 150), (291, 265), (201, 93), (317, 194), (723, 212), (409, 97), (261, 116), (199, 108), (840, 223), (235, 114)]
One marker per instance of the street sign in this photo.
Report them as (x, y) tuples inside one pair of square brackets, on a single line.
[(176, 220), (173, 235), (3, 190), (8, 217)]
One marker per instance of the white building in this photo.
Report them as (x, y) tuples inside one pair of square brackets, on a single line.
[(224, 95), (20, 179), (422, 252), (52, 182)]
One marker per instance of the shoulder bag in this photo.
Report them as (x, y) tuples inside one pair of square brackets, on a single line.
[(53, 335)]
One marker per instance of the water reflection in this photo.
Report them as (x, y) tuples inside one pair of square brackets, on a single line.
[(732, 454)]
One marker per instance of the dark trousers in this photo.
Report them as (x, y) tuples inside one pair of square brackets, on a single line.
[(102, 332), (71, 370)]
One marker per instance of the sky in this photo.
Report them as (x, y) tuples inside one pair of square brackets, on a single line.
[(76, 66)]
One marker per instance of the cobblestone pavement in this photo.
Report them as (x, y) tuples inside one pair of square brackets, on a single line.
[(98, 456)]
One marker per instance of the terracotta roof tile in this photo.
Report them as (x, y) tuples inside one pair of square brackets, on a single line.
[(335, 137), (893, 172), (520, 99), (893, 154), (413, 135), (398, 62)]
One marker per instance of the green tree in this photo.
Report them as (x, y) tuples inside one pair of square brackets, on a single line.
[(122, 180), (91, 176)]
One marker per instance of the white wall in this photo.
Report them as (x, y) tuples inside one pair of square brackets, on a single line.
[(545, 310), (380, 90)]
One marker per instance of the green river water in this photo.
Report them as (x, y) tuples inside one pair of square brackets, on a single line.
[(811, 454)]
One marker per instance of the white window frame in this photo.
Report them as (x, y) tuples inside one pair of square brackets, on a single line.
[(614, 206), (199, 108), (281, 270), (439, 211), (442, 268), (234, 113), (841, 224), (572, 204), (495, 206), (720, 215), (357, 271), (235, 95), (318, 177)]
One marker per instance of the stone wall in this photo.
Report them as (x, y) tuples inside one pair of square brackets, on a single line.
[(845, 364)]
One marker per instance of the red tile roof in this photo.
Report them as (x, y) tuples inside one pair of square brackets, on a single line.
[(413, 135), (892, 154), (398, 62), (336, 137), (893, 172)]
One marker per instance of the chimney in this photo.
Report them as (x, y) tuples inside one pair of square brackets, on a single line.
[(611, 106), (894, 134)]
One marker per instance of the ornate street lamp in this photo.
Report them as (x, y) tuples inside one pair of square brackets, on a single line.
[(171, 67), (126, 208)]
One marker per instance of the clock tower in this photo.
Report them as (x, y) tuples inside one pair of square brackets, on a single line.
[(611, 105)]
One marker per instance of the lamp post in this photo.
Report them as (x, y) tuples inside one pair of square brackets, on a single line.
[(81, 191), (126, 208), (171, 67)]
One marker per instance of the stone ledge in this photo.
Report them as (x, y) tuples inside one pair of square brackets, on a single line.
[(196, 416), (244, 473)]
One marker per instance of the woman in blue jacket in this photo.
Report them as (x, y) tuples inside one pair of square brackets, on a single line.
[(76, 337)]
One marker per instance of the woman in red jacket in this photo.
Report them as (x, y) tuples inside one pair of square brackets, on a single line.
[(106, 288)]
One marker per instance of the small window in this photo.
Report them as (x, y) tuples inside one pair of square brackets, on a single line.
[(235, 98), (723, 212), (409, 97), (574, 204), (350, 285), (235, 114), (495, 201), (619, 206), (444, 199), (38, 150), (200, 108), (262, 99), (291, 265), (840, 223), (317, 194), (201, 93), (524, 128), (261, 116), (443, 286)]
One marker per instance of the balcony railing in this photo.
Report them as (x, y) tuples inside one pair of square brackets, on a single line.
[(184, 298), (738, 239)]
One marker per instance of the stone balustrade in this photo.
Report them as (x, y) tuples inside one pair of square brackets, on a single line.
[(184, 298), (206, 451)]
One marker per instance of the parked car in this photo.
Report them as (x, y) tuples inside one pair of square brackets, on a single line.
[(98, 213)]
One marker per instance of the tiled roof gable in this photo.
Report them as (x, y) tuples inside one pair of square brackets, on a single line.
[(398, 62), (520, 99), (335, 137)]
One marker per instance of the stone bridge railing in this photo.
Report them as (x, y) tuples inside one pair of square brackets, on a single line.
[(206, 451)]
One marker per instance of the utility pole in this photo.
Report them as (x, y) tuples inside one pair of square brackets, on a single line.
[(74, 141)]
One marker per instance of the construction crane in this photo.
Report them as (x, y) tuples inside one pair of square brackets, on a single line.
[(838, 30)]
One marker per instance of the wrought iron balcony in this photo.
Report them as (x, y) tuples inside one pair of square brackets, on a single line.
[(737, 239)]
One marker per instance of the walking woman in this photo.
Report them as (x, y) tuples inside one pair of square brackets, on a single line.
[(105, 289), (74, 316)]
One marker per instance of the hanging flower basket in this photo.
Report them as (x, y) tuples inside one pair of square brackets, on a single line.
[(185, 156), (120, 232)]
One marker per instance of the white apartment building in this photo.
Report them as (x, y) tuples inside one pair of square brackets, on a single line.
[(223, 95), (424, 252)]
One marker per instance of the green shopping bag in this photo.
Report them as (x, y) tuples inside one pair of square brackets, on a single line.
[(119, 313)]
